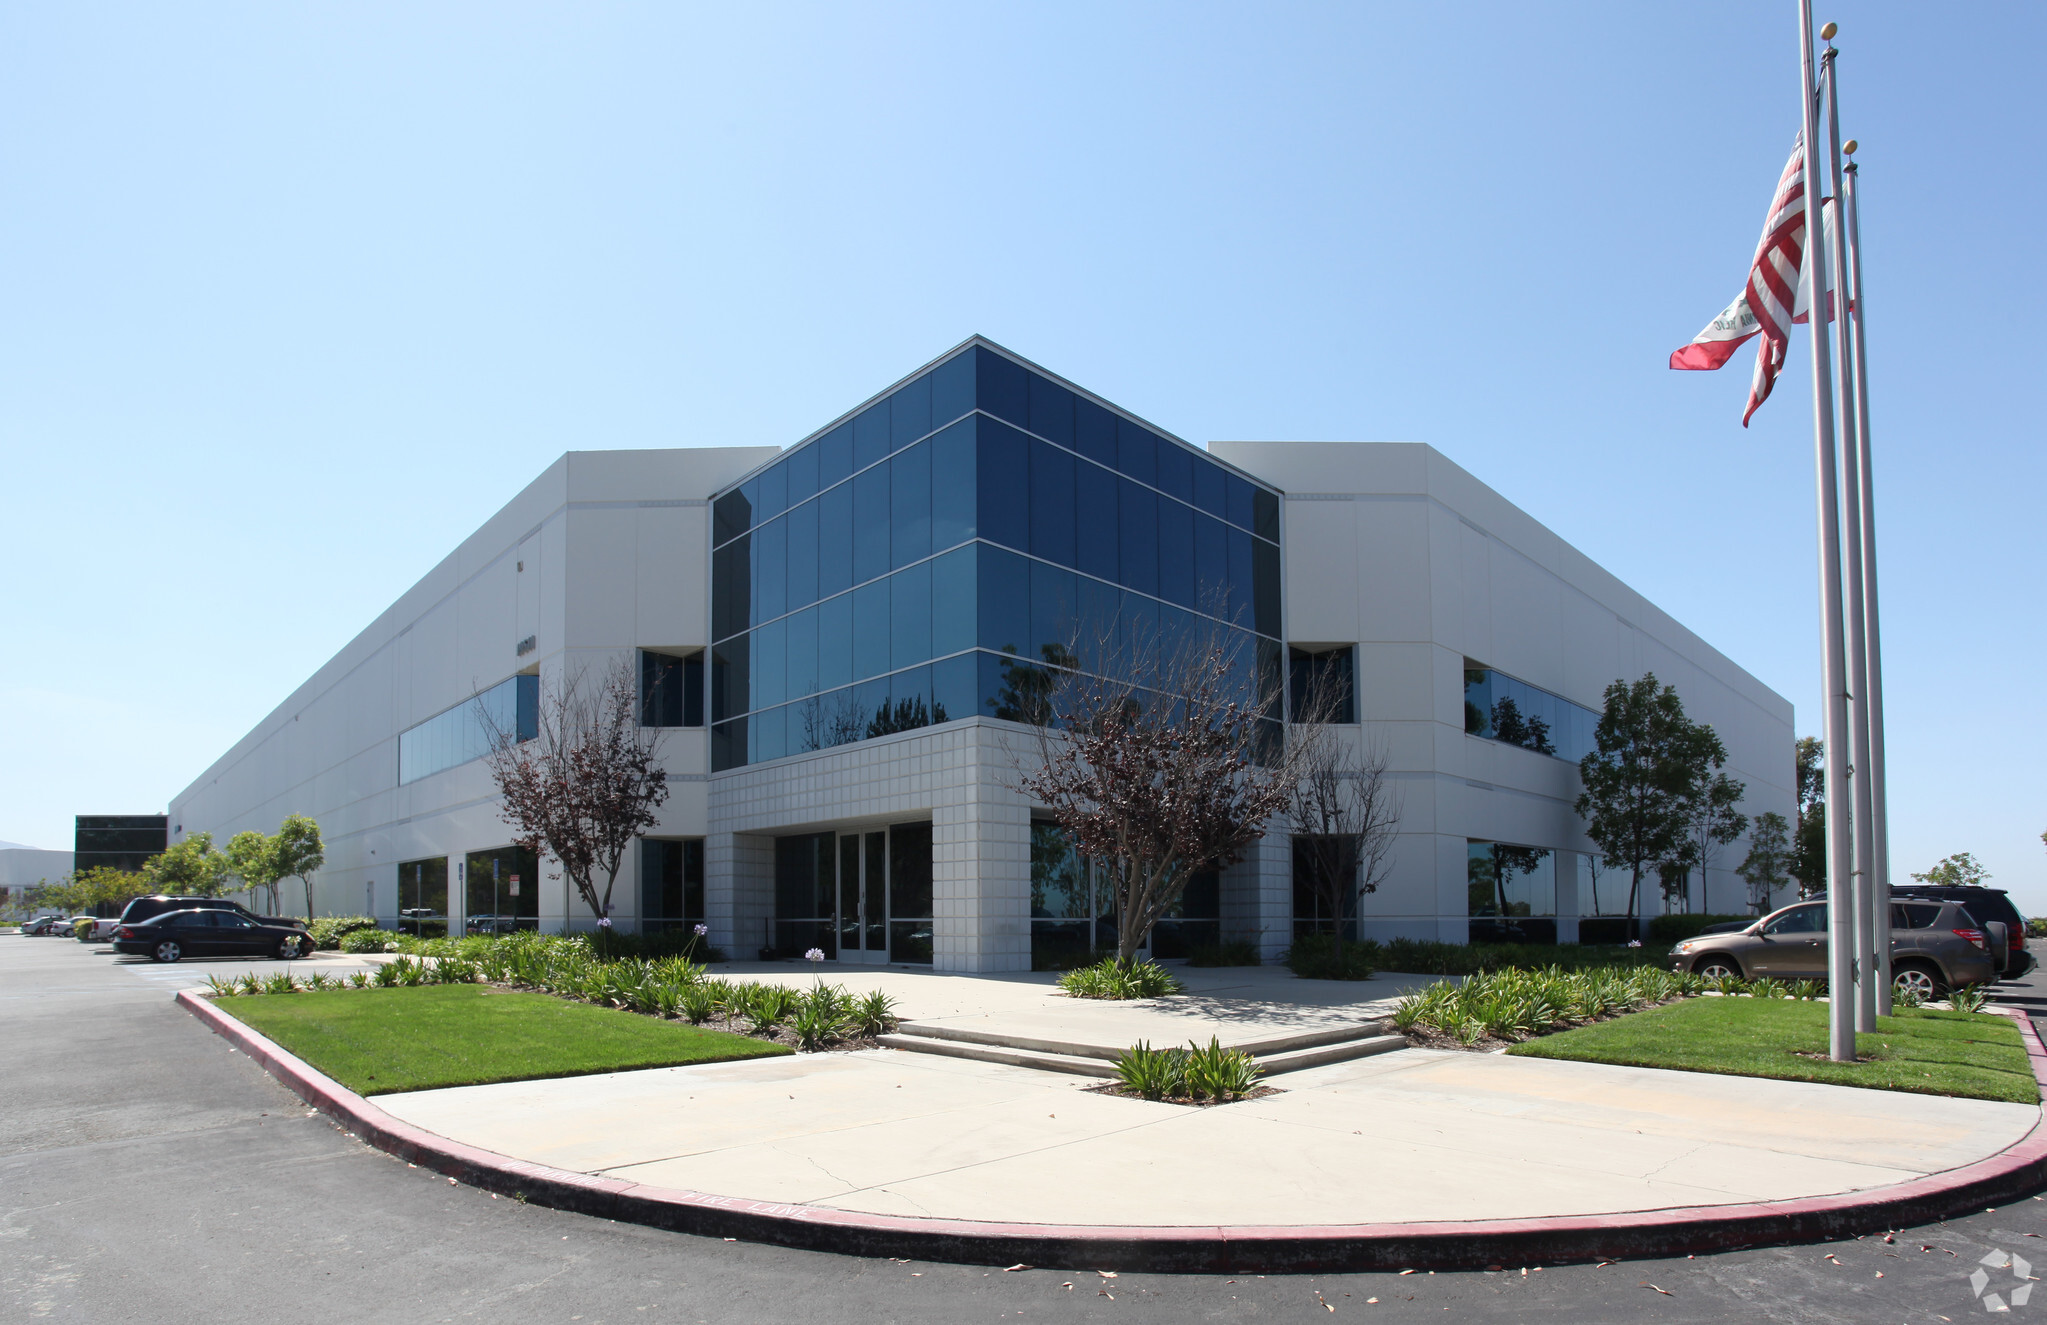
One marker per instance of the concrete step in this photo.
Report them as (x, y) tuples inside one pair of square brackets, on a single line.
[(1334, 1053), (999, 1040), (1076, 1065)]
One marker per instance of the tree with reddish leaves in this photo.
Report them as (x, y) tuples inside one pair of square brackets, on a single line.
[(1160, 755), (586, 783)]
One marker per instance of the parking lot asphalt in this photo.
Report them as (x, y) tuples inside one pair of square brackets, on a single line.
[(148, 1173)]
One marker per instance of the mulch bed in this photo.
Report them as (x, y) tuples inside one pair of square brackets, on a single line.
[(1124, 1092)]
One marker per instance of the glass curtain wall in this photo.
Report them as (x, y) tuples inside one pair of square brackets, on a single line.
[(1511, 893), (900, 569), (423, 897), (671, 883), (502, 891), (1500, 708), (462, 733)]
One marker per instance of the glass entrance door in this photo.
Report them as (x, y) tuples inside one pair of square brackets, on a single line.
[(863, 917)]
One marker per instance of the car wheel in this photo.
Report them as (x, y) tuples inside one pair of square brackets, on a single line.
[(1920, 979), (292, 948), (1717, 967), (167, 951)]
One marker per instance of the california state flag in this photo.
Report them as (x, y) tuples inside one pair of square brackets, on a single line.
[(1776, 296)]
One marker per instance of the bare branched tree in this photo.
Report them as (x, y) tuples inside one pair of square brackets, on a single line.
[(584, 782), (1345, 807), (1160, 754)]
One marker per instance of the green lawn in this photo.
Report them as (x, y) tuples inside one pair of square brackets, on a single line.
[(1921, 1050), (375, 1041)]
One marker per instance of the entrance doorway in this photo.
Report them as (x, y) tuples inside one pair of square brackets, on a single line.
[(860, 896), (863, 897)]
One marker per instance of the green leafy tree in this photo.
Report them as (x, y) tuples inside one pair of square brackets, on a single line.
[(1960, 870), (296, 853), (252, 858), (1640, 781), (1767, 867), (189, 867), (1809, 841), (1711, 817)]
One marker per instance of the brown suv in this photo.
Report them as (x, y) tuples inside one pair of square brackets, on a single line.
[(1935, 946)]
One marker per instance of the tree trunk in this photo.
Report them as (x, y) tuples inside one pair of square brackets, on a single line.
[(1635, 903)]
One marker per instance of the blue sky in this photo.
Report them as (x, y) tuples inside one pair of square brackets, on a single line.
[(297, 295)]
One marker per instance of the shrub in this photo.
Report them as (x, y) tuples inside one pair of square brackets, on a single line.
[(1768, 988), (388, 976), (1152, 1073), (1426, 957), (1111, 979), (1969, 998), (250, 984), (1807, 990), (818, 1021), (1314, 957), (1904, 996), (1513, 1004), (2036, 927), (697, 1002), (1236, 952), (328, 931), (1220, 1074), (359, 980), (368, 940), (281, 983), (875, 1014), (220, 988), (1666, 930)]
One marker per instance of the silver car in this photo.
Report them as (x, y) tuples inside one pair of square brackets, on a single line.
[(1935, 946)]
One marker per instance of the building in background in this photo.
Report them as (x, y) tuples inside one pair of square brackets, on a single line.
[(118, 841), (831, 637), (23, 867)]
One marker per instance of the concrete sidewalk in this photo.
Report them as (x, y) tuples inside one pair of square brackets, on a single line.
[(1412, 1136)]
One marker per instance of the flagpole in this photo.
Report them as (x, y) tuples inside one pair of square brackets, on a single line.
[(1833, 661), (1872, 679), (1851, 514)]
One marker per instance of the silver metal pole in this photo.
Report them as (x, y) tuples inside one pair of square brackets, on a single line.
[(1858, 713), (1873, 679), (1833, 648)]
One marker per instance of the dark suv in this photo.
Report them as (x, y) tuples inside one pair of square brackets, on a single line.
[(148, 908), (1986, 904)]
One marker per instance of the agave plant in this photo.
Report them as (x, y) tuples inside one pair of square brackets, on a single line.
[(281, 983), (1152, 1073), (874, 1013), (1217, 1073), (359, 980), (1968, 998), (697, 1003)]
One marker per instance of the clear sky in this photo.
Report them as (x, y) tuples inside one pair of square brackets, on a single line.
[(296, 296)]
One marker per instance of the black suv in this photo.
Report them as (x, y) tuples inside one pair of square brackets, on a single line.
[(1984, 904), (148, 908)]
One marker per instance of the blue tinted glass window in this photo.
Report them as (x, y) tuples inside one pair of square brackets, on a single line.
[(770, 664), (770, 735), (1242, 573), (1052, 503), (771, 570), (1095, 521), (910, 615), (1238, 494), (728, 745), (1265, 587), (870, 704), (730, 674), (1000, 388), (955, 687), (870, 435), (909, 511), (1004, 478), (1137, 452), (774, 491), (1094, 432), (1264, 514), (803, 547), (1176, 471), (952, 388), (1051, 410), (731, 515), (988, 681), (1099, 623), (1055, 604), (1139, 528), (802, 469), (952, 485), (1209, 489), (870, 629), (910, 413), (952, 601), (803, 654), (1176, 553), (909, 694), (1211, 565), (1004, 601), (835, 540), (870, 524), (731, 587), (834, 455), (835, 641)]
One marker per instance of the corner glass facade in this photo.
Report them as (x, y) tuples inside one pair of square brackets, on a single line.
[(890, 573), (462, 733), (117, 841), (1500, 708)]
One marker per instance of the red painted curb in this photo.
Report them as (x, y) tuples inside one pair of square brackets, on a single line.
[(2018, 1170)]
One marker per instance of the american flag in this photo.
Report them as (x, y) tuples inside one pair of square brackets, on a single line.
[(1767, 304)]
